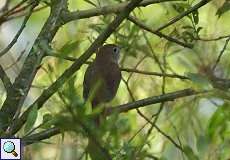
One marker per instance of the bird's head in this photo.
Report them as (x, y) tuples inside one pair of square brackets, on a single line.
[(109, 52)]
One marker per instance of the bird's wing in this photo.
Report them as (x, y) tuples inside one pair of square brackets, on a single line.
[(87, 81)]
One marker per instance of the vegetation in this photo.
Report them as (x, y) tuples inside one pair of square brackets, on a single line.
[(172, 102)]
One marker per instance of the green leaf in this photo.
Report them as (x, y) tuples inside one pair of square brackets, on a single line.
[(90, 2), (190, 154), (69, 47), (48, 121), (47, 117), (181, 7), (31, 119), (69, 90), (219, 120), (224, 8), (198, 30), (195, 15)]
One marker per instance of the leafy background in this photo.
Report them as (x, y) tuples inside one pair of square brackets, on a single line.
[(199, 124)]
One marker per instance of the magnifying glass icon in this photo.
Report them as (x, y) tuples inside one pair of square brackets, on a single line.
[(9, 147)]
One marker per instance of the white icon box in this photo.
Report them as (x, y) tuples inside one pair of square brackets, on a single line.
[(10, 149)]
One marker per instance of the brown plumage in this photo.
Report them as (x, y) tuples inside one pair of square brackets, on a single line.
[(101, 81), (103, 76)]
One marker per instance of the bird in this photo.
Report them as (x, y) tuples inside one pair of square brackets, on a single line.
[(100, 85), (103, 76)]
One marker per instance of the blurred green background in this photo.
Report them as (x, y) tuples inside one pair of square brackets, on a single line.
[(200, 123)]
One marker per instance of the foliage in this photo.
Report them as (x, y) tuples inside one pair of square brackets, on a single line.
[(192, 126)]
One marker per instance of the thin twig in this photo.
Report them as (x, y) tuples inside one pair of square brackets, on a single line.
[(12, 9), (5, 79), (180, 16), (41, 135), (221, 53), (18, 10), (164, 134), (22, 14), (126, 69), (17, 60), (153, 54), (159, 34), (212, 39), (10, 45), (116, 8), (154, 73), (135, 67)]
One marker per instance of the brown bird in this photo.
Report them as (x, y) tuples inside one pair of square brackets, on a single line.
[(101, 81), (103, 76)]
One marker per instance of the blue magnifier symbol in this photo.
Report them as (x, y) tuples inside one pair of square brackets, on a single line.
[(9, 147)]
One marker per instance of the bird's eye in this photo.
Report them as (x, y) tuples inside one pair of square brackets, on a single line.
[(115, 50)]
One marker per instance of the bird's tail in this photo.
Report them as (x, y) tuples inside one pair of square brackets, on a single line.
[(95, 150), (97, 118)]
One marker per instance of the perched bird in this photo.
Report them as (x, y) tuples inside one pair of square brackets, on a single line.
[(101, 82), (103, 76)]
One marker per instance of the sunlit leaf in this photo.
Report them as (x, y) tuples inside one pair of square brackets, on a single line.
[(31, 119)]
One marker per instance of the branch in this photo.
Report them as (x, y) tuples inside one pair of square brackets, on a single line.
[(21, 14), (212, 39), (4, 51), (154, 73), (5, 79), (221, 53), (2, 17), (177, 18), (153, 124), (109, 111), (151, 100), (40, 136), (46, 94), (16, 96), (55, 54), (116, 8), (159, 34)]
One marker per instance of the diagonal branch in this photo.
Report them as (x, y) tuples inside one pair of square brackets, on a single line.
[(11, 10), (16, 96), (221, 53), (5, 79), (37, 137), (159, 34), (10, 45), (182, 15)]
